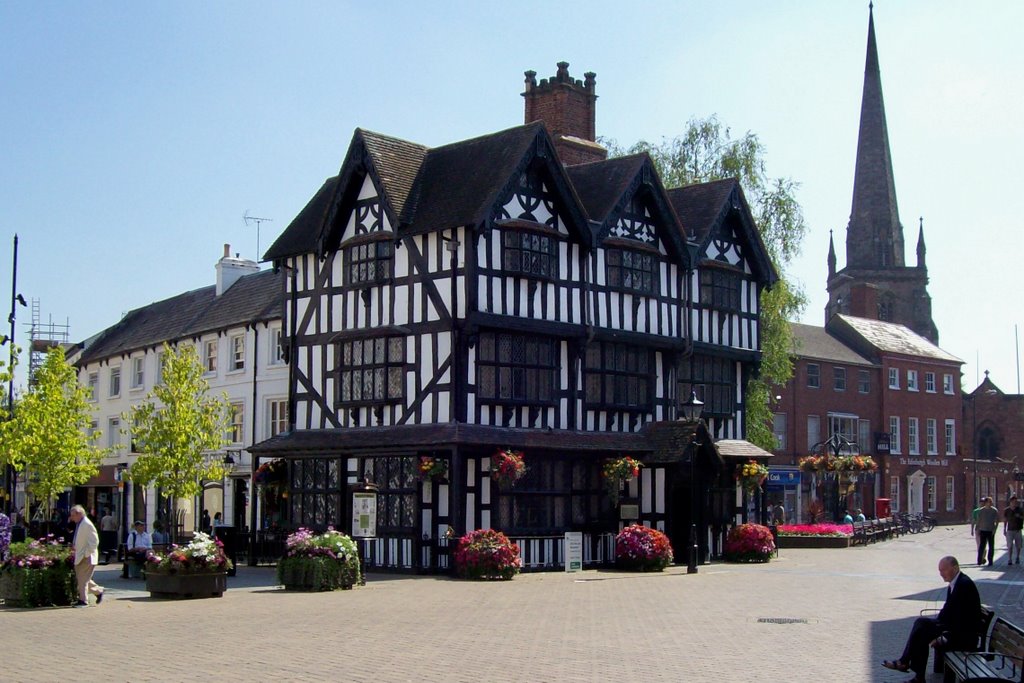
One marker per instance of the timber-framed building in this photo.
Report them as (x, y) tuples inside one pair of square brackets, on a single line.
[(516, 291)]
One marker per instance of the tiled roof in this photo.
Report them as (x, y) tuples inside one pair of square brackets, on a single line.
[(397, 162), (301, 234), (895, 338), (740, 448), (255, 297), (700, 205), (601, 184), (810, 341), (459, 182)]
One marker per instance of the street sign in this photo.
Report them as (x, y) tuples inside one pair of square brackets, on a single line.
[(573, 551), (364, 514)]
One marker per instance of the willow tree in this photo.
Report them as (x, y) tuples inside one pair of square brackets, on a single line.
[(707, 152), (176, 428), (48, 438)]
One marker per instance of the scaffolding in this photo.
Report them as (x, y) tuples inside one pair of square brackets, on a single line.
[(43, 337)]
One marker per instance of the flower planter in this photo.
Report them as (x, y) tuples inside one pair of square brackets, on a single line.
[(314, 574), (45, 587), (814, 542), (184, 586)]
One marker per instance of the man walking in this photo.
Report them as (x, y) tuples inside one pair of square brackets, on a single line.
[(1013, 518), (954, 628), (86, 543), (988, 522)]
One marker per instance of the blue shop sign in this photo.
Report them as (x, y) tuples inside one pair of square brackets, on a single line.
[(779, 478)]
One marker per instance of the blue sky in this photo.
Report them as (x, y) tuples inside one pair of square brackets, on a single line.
[(135, 136)]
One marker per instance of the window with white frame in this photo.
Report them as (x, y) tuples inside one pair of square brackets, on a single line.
[(894, 378), (911, 380), (894, 435), (779, 430), (950, 437), (93, 426), (894, 494), (237, 352), (210, 357), (138, 372), (845, 426), (115, 382), (94, 385), (159, 368), (864, 381), (864, 436), (930, 493), (813, 431), (277, 409), (929, 382), (913, 438), (813, 376), (930, 436), (114, 433), (235, 432), (276, 346), (950, 498), (947, 384), (839, 379)]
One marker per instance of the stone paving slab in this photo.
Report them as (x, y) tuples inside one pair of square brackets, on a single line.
[(810, 615)]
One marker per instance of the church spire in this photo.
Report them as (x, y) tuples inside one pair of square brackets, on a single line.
[(831, 256), (920, 243), (874, 238)]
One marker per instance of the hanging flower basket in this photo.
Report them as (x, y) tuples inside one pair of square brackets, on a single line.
[(432, 469), (617, 472), (751, 475), (507, 468), (856, 463)]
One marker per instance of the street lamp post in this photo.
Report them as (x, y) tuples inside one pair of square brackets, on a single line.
[(691, 414), (835, 444)]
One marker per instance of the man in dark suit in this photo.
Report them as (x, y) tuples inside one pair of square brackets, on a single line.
[(954, 628)]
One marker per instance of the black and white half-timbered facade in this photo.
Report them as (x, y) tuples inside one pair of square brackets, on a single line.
[(455, 301)]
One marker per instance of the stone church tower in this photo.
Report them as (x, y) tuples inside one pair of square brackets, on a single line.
[(876, 282)]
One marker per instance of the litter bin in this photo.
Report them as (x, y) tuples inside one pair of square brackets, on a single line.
[(229, 537)]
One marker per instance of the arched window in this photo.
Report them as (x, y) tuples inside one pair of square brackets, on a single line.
[(988, 443)]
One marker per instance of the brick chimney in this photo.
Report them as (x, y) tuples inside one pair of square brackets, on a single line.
[(567, 108), (230, 270), (864, 301)]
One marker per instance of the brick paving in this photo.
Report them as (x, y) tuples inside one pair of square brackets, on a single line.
[(858, 605)]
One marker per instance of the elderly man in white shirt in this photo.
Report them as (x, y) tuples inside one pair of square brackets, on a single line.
[(87, 543)]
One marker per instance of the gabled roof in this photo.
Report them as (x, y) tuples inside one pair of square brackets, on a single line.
[(253, 298), (396, 163), (704, 207), (879, 336), (606, 187), (300, 237), (815, 343)]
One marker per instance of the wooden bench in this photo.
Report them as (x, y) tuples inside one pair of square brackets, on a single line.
[(1001, 660), (863, 533), (984, 621)]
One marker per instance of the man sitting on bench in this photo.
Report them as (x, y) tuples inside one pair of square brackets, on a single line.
[(138, 546), (953, 628)]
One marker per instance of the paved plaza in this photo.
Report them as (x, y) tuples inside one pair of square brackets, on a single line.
[(810, 615)]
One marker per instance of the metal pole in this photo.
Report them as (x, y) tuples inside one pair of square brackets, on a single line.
[(691, 565), (11, 474), (974, 449)]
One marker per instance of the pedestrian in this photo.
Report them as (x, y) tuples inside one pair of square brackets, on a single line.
[(778, 513), (1013, 522), (108, 535), (86, 544), (985, 528), (204, 522), (954, 628)]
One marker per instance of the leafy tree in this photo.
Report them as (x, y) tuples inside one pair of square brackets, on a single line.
[(707, 152), (48, 435), (176, 427)]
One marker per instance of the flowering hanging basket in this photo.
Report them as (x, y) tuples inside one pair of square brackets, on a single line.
[(507, 468), (619, 471), (432, 469), (273, 473), (856, 463), (751, 475)]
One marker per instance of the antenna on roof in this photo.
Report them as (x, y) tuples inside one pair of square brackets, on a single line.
[(257, 220)]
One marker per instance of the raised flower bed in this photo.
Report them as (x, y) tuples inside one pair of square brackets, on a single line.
[(196, 570), (38, 573), (319, 562), (814, 535)]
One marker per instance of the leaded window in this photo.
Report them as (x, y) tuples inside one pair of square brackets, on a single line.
[(396, 478), (372, 370), (516, 368), (554, 495), (712, 379), (530, 253), (634, 271), (618, 376), (369, 262), (314, 497), (720, 289)]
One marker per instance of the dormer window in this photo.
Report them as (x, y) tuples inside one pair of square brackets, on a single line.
[(631, 270), (530, 253), (369, 262)]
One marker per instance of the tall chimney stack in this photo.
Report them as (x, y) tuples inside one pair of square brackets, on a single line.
[(568, 108)]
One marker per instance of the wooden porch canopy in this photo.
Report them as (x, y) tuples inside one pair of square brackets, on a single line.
[(740, 449)]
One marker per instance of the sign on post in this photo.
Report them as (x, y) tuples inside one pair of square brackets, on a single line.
[(573, 551), (364, 514)]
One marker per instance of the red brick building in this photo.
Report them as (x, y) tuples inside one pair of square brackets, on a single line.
[(993, 443)]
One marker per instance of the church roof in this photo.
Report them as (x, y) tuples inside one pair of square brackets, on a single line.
[(889, 337)]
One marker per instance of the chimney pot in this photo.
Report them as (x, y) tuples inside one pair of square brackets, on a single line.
[(563, 71), (227, 250)]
